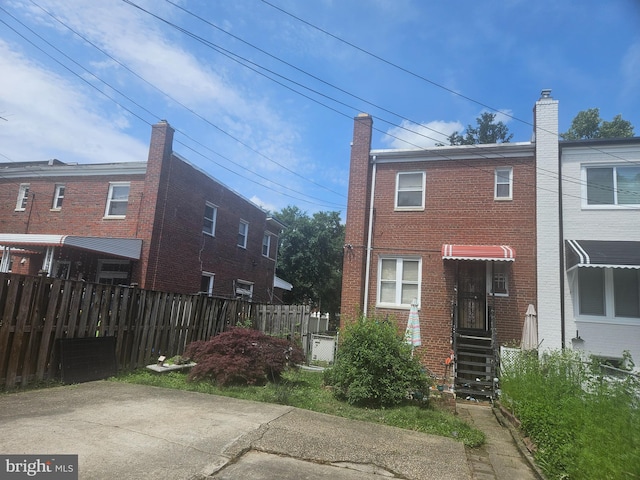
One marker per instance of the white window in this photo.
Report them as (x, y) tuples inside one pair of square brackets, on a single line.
[(499, 284), (58, 197), (398, 281), (410, 188), (266, 245), (23, 196), (608, 293), (206, 283), (243, 231), (244, 289), (117, 200), (113, 272), (503, 183), (210, 216), (609, 186)]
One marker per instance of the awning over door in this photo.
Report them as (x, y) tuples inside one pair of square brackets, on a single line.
[(478, 252), (601, 253), (121, 247)]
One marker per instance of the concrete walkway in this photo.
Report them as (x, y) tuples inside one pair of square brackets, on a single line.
[(138, 432), (500, 458)]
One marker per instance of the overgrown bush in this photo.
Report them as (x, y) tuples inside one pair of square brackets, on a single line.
[(242, 356), (584, 423), (374, 366)]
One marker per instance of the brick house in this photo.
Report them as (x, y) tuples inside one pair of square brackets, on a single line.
[(453, 228), (162, 224)]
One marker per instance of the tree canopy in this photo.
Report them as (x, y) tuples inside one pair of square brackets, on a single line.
[(487, 131), (588, 124), (310, 258)]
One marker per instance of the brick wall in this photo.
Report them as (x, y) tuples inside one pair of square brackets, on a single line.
[(459, 209)]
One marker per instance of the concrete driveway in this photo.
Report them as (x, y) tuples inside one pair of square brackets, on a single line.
[(122, 431)]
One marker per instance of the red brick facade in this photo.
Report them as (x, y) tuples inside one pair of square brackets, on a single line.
[(165, 210), (459, 209)]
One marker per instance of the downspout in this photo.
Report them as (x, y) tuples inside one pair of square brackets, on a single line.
[(561, 259), (369, 240)]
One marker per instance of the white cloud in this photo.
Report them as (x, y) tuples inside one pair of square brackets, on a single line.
[(410, 135), (49, 117)]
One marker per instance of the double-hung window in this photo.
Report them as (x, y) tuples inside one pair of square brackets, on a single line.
[(266, 245), (209, 221), (23, 197), (611, 186), (410, 187), (503, 189), (58, 197), (117, 200), (243, 232), (398, 281)]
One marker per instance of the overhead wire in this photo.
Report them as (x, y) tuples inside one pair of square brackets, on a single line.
[(272, 182)]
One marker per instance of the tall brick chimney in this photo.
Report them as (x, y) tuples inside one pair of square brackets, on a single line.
[(353, 274), (549, 263), (154, 196)]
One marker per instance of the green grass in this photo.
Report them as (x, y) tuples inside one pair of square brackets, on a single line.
[(304, 389), (584, 424)]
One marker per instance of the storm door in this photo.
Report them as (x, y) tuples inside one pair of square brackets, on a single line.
[(472, 296)]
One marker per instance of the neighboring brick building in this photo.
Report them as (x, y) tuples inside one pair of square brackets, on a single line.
[(454, 228), (161, 224)]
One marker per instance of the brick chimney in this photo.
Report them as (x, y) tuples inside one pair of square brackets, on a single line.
[(154, 196), (353, 275)]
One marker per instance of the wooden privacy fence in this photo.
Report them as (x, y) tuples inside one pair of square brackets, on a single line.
[(38, 311)]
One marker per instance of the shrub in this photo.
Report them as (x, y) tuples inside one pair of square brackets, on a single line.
[(374, 366), (242, 356)]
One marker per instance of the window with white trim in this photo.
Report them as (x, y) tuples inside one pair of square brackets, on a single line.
[(58, 197), (398, 281), (210, 217), (611, 185), (266, 245), (410, 187), (503, 189), (206, 283), (244, 289), (23, 197), (243, 233), (499, 284), (608, 293), (117, 200)]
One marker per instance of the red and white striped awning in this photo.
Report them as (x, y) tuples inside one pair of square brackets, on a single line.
[(478, 252)]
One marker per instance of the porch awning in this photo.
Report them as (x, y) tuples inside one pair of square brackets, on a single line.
[(478, 252), (602, 253), (121, 247)]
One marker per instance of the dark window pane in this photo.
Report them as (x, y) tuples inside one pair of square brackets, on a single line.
[(591, 291), (600, 186), (626, 292)]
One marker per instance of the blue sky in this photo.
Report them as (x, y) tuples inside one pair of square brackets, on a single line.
[(263, 93)]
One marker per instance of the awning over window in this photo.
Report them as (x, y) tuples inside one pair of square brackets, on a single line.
[(121, 247), (601, 253), (478, 252)]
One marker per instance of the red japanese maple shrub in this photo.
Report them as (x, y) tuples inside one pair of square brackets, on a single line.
[(242, 356)]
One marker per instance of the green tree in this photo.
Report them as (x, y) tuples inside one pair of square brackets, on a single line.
[(310, 258), (487, 131), (588, 124)]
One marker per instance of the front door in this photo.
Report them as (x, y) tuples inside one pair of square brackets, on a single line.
[(472, 296)]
